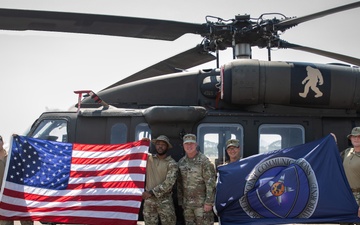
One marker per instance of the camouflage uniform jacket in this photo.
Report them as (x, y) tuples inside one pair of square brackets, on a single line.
[(161, 175), (2, 169), (196, 183)]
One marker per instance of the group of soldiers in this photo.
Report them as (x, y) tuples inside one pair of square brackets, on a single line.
[(194, 176)]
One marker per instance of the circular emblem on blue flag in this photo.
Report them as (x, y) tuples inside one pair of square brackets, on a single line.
[(281, 188)]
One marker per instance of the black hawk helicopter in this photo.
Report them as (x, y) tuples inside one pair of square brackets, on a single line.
[(267, 105)]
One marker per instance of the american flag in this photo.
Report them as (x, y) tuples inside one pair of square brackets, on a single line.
[(73, 183)]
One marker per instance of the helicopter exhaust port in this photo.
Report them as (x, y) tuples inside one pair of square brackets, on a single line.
[(210, 86)]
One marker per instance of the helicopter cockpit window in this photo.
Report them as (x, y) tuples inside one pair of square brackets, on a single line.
[(212, 139), (279, 136), (118, 133), (142, 130), (53, 130)]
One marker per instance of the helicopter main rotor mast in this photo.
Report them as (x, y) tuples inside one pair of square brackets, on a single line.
[(243, 32)]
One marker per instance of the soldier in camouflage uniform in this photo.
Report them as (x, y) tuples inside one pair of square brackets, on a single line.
[(161, 175), (351, 163), (196, 184)]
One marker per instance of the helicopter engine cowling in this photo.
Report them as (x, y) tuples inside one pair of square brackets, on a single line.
[(251, 82)]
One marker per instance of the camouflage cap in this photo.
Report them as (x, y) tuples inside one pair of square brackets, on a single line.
[(189, 138), (162, 138), (232, 142), (355, 132)]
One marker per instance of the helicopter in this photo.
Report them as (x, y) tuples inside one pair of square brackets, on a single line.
[(267, 105)]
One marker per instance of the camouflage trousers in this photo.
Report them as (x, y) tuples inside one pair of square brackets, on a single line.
[(197, 216), (10, 222), (162, 207), (357, 198)]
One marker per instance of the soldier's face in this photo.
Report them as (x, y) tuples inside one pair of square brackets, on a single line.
[(190, 147), (355, 140), (161, 147), (233, 152)]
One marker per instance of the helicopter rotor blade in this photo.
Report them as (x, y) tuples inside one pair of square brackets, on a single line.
[(21, 20), (344, 58), (185, 60), (283, 25), (217, 35)]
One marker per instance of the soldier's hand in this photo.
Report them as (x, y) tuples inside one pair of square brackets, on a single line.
[(146, 195), (207, 208)]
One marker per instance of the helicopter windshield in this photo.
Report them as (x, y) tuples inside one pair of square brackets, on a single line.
[(53, 130)]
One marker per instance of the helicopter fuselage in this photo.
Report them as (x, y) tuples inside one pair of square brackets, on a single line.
[(265, 105)]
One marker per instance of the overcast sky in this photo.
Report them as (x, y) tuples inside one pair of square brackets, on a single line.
[(40, 70)]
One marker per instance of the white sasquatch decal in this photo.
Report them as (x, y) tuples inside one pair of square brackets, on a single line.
[(313, 79)]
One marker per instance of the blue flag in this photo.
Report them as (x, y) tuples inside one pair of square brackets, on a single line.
[(302, 184)]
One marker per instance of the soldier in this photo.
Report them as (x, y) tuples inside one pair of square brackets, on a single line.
[(196, 184), (351, 163), (233, 150), (161, 175)]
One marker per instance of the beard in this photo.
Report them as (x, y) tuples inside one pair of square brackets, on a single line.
[(161, 152)]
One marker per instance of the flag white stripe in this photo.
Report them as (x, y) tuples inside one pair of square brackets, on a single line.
[(120, 164), (84, 191)]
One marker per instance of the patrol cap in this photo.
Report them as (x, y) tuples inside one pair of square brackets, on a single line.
[(162, 138), (355, 132), (189, 138), (232, 142)]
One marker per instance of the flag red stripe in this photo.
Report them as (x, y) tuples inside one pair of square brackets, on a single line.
[(120, 184), (125, 209)]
